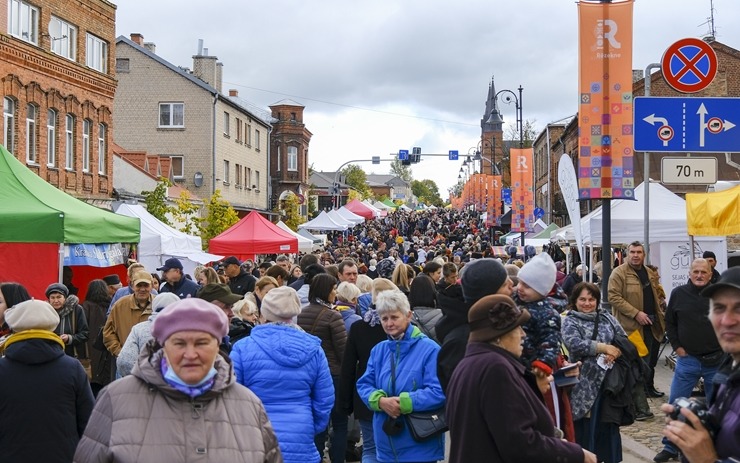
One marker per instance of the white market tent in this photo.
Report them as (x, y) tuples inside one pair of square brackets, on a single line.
[(381, 206), (322, 222), (160, 242), (304, 244), (350, 216), (317, 240), (337, 217)]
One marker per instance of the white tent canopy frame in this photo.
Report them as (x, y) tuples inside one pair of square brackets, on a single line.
[(304, 244)]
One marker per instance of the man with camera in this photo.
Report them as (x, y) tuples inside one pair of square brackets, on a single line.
[(692, 338), (714, 436)]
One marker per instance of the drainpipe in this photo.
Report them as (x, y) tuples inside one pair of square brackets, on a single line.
[(213, 147), (268, 176)]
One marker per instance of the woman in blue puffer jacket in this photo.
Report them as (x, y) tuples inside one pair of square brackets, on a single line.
[(287, 369), (416, 388)]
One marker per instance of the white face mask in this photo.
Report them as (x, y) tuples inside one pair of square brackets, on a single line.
[(172, 377)]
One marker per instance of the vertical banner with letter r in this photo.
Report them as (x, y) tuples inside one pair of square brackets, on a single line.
[(522, 203), (605, 157)]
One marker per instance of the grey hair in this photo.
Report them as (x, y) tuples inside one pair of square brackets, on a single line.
[(347, 291), (391, 301)]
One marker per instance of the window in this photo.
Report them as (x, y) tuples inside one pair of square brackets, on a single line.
[(248, 178), (31, 134), (227, 132), (178, 167), (257, 140), (23, 21), (238, 179), (172, 115), (292, 117), (257, 180), (69, 159), (102, 152), (278, 159), (226, 172), (238, 130), (123, 65), (9, 123), (293, 158), (86, 125), (63, 36), (51, 137), (97, 53), (249, 135)]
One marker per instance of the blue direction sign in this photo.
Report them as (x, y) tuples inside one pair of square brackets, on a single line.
[(403, 155), (453, 155), (664, 124)]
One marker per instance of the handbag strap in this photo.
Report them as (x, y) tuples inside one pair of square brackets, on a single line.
[(316, 320)]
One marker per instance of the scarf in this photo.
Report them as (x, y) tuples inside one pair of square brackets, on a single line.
[(371, 316), (190, 391), (30, 334)]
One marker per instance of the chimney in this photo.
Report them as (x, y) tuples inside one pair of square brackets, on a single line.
[(233, 92), (137, 38), (151, 46), (219, 76)]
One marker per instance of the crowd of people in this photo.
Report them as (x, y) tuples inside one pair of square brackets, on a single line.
[(369, 349)]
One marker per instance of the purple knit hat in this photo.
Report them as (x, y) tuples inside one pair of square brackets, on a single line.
[(191, 314)]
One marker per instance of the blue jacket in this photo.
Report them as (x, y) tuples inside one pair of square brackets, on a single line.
[(416, 385), (287, 369), (183, 288)]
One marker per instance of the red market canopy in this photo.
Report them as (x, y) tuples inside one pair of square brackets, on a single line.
[(253, 235), (357, 207)]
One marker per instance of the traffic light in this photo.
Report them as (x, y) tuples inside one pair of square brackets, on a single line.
[(415, 155)]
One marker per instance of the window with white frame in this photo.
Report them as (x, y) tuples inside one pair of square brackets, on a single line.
[(97, 53), (279, 163), (86, 127), (172, 115), (238, 176), (63, 36), (226, 124), (178, 167), (257, 180), (102, 152), (69, 143), (226, 171), (23, 21), (257, 140), (292, 158), (9, 124), (248, 178), (249, 135), (238, 130), (51, 137), (31, 134)]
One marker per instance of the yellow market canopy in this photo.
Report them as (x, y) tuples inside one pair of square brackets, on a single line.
[(713, 214)]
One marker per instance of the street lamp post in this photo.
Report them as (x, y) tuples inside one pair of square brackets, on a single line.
[(495, 117)]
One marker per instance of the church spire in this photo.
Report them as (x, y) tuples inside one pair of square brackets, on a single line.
[(495, 124)]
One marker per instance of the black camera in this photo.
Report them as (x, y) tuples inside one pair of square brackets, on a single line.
[(698, 408)]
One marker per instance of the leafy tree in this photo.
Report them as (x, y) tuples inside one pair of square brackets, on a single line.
[(186, 213), (355, 177), (399, 170), (354, 194), (219, 217), (156, 200), (427, 191), (289, 211)]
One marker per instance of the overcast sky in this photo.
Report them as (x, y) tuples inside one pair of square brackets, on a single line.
[(384, 75)]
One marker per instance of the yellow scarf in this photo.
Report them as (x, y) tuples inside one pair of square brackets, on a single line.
[(31, 334)]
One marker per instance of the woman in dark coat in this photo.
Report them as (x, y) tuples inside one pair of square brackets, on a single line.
[(72, 326), (95, 306), (48, 402), (494, 407)]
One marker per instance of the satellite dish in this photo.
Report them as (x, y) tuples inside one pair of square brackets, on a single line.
[(198, 179)]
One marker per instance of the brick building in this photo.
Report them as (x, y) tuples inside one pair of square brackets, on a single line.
[(289, 141), (58, 85), (215, 141)]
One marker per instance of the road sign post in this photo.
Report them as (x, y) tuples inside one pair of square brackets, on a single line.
[(684, 124)]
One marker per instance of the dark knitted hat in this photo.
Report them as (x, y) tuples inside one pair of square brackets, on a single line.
[(481, 278)]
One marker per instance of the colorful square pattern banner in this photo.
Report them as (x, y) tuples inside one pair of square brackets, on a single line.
[(605, 157), (522, 194), (494, 199)]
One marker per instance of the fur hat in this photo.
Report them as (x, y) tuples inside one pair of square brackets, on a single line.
[(539, 273), (482, 277), (280, 304), (32, 315), (57, 288), (191, 314), (493, 316)]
